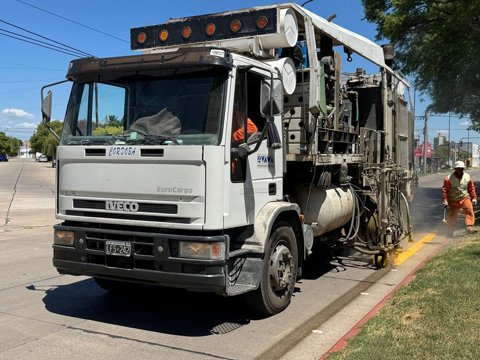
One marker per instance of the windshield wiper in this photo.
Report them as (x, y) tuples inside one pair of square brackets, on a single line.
[(96, 141), (151, 139)]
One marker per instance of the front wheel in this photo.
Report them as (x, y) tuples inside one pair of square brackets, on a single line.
[(279, 275)]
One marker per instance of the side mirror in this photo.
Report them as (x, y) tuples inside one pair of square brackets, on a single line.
[(47, 107), (271, 97)]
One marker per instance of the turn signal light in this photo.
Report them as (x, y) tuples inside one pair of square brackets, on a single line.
[(235, 25), (210, 29), (63, 237), (186, 32), (141, 38), (198, 250), (262, 22), (163, 35)]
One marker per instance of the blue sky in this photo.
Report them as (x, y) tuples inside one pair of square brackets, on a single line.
[(25, 68)]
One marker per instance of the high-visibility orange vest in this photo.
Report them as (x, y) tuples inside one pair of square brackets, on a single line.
[(459, 187)]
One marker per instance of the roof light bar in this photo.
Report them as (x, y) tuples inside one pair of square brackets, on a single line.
[(271, 24)]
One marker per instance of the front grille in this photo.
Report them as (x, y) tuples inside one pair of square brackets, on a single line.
[(143, 251), (129, 216), (142, 207)]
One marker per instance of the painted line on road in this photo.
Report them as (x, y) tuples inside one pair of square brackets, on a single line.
[(403, 256)]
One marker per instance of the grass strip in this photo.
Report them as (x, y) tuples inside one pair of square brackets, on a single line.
[(436, 316)]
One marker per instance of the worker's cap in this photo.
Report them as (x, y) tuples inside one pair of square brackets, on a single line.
[(459, 165)]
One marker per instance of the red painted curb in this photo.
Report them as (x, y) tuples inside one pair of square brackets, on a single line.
[(340, 344)]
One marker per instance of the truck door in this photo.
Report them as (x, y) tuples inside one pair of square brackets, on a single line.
[(256, 179)]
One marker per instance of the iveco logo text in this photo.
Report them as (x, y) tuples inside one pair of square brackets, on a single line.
[(174, 190), (121, 206)]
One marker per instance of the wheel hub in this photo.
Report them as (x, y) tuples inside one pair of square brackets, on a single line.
[(281, 267)]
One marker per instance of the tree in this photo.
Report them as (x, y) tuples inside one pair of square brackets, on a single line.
[(43, 141), (442, 153), (438, 43), (9, 145)]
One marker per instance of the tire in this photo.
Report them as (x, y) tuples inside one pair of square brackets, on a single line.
[(279, 274)]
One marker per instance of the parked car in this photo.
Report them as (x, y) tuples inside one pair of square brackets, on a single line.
[(3, 157), (54, 161), (43, 158)]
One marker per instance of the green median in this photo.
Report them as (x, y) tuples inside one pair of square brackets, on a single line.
[(436, 316)]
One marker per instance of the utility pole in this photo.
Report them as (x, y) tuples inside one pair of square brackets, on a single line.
[(425, 141), (449, 147), (468, 147)]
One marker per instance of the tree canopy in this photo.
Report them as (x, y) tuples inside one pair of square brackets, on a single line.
[(9, 145), (43, 141), (438, 43)]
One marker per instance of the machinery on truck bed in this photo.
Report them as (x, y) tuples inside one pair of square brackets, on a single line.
[(219, 158)]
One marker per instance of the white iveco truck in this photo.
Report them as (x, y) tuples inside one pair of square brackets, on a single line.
[(222, 156)]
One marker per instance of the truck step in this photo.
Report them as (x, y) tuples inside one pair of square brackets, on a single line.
[(238, 289)]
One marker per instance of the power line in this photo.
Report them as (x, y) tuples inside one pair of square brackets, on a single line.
[(82, 53), (72, 21), (34, 43), (17, 65)]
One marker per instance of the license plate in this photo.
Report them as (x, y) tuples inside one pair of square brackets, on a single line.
[(118, 248)]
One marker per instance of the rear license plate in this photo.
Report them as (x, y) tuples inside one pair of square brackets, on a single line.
[(118, 248)]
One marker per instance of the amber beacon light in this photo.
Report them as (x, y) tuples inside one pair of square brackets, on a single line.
[(262, 22), (163, 35), (141, 38), (210, 29), (235, 26), (186, 32)]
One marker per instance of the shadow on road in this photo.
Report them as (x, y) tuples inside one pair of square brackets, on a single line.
[(169, 311)]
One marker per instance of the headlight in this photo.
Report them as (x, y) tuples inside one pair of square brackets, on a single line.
[(62, 237), (198, 250)]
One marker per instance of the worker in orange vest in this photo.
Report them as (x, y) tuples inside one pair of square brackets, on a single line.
[(458, 192), (238, 125)]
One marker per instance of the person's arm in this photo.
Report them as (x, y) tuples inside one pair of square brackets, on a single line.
[(445, 190), (472, 191), (251, 128)]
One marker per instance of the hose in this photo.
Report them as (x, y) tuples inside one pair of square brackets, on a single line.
[(355, 218), (368, 252)]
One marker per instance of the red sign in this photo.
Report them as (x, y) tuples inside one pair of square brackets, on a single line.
[(419, 150)]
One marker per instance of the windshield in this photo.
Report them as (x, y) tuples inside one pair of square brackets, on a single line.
[(147, 109)]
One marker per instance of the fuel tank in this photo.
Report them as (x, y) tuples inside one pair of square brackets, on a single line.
[(329, 208)]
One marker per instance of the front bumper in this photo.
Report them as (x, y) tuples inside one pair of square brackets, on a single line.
[(153, 260)]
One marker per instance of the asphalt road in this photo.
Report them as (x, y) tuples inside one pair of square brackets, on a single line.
[(44, 315)]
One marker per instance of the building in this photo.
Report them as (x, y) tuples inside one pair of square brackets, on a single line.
[(470, 148), (441, 139), (25, 151)]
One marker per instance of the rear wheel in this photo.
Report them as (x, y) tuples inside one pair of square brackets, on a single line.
[(279, 272)]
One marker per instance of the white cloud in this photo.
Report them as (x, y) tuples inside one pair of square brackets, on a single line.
[(16, 114), (465, 123), (26, 125)]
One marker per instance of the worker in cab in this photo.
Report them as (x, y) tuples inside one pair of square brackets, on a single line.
[(238, 130), (458, 192)]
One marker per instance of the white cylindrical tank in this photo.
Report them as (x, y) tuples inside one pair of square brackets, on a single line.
[(287, 34), (329, 208), (287, 72)]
